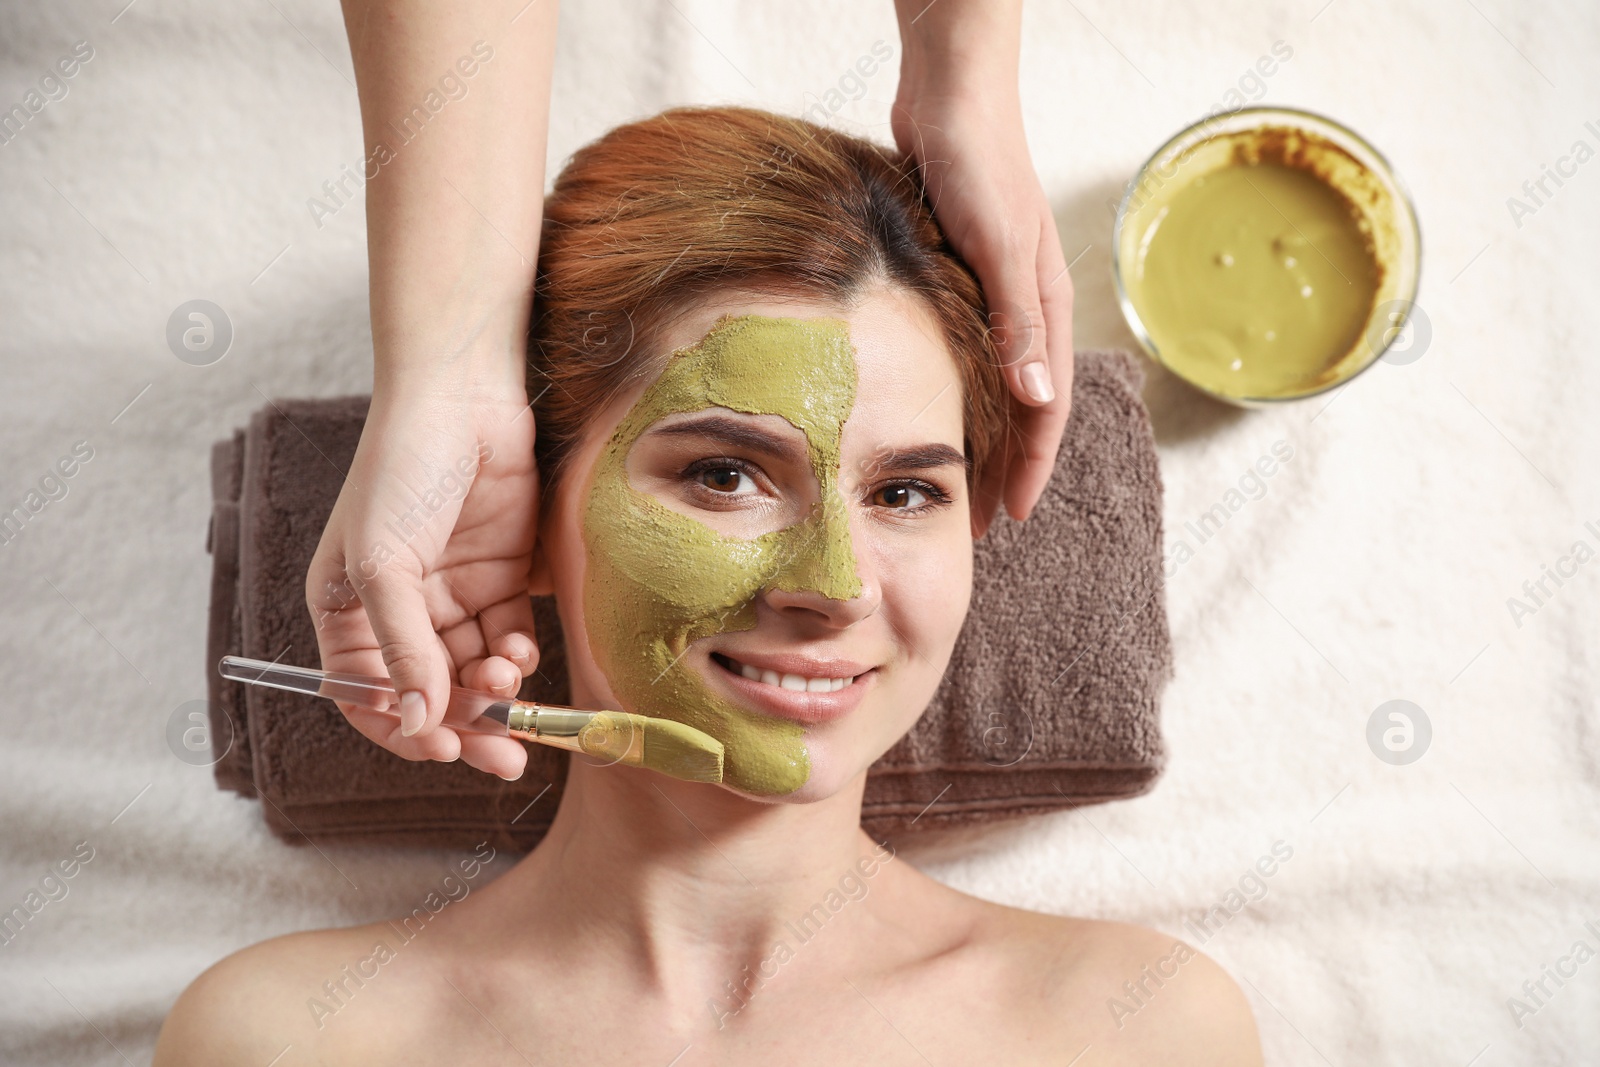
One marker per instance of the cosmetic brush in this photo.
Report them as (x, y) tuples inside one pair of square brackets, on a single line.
[(613, 736)]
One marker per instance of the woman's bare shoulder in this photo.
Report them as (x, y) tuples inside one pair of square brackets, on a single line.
[(250, 1006), (1134, 994)]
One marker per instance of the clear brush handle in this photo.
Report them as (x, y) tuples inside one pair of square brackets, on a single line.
[(464, 711)]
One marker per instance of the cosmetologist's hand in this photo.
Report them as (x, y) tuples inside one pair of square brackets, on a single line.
[(958, 112), (422, 570)]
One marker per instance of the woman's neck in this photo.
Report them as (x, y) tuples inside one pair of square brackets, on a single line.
[(684, 881)]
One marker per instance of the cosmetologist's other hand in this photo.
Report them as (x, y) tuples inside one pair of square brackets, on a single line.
[(958, 112)]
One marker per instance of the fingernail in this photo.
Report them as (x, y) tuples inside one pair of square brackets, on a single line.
[(510, 777), (1036, 380), (413, 712)]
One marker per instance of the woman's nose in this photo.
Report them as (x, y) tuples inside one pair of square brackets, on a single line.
[(817, 571), (809, 604)]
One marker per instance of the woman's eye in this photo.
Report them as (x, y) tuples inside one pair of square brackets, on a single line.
[(722, 479), (899, 497)]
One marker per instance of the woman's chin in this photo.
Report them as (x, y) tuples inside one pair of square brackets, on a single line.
[(830, 774), (810, 793)]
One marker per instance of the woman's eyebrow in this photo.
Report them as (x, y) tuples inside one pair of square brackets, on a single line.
[(737, 432), (918, 457), (729, 431)]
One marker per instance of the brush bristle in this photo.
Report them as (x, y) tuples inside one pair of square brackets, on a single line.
[(682, 751)]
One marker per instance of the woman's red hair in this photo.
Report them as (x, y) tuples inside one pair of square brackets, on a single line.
[(695, 201)]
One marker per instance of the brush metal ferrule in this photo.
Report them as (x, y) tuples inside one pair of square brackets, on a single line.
[(522, 716), (609, 736)]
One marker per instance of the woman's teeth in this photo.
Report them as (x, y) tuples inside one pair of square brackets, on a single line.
[(798, 682)]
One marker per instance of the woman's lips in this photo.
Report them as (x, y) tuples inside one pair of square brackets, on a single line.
[(805, 707)]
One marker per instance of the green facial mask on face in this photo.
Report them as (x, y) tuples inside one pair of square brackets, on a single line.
[(658, 579)]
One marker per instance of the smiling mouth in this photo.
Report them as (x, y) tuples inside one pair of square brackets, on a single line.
[(794, 682)]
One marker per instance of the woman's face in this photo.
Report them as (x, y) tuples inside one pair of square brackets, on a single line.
[(770, 540)]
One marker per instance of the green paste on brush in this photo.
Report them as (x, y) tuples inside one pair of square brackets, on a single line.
[(658, 579)]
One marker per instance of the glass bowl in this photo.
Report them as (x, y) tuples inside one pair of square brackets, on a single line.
[(1347, 163)]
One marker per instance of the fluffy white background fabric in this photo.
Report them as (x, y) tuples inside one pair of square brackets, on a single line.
[(1377, 565)]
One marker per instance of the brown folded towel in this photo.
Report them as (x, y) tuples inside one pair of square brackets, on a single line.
[(1051, 699)]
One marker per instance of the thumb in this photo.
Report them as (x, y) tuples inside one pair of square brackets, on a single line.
[(410, 647), (1007, 269)]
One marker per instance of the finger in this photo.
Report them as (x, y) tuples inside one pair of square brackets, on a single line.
[(1011, 286), (384, 730), (504, 757), (1007, 267), (1042, 426), (345, 642), (520, 649), (473, 639), (465, 645), (378, 726), (511, 620), (413, 654), (1032, 462), (442, 744), (493, 674)]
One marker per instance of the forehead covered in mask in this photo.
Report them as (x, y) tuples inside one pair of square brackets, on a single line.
[(657, 579)]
